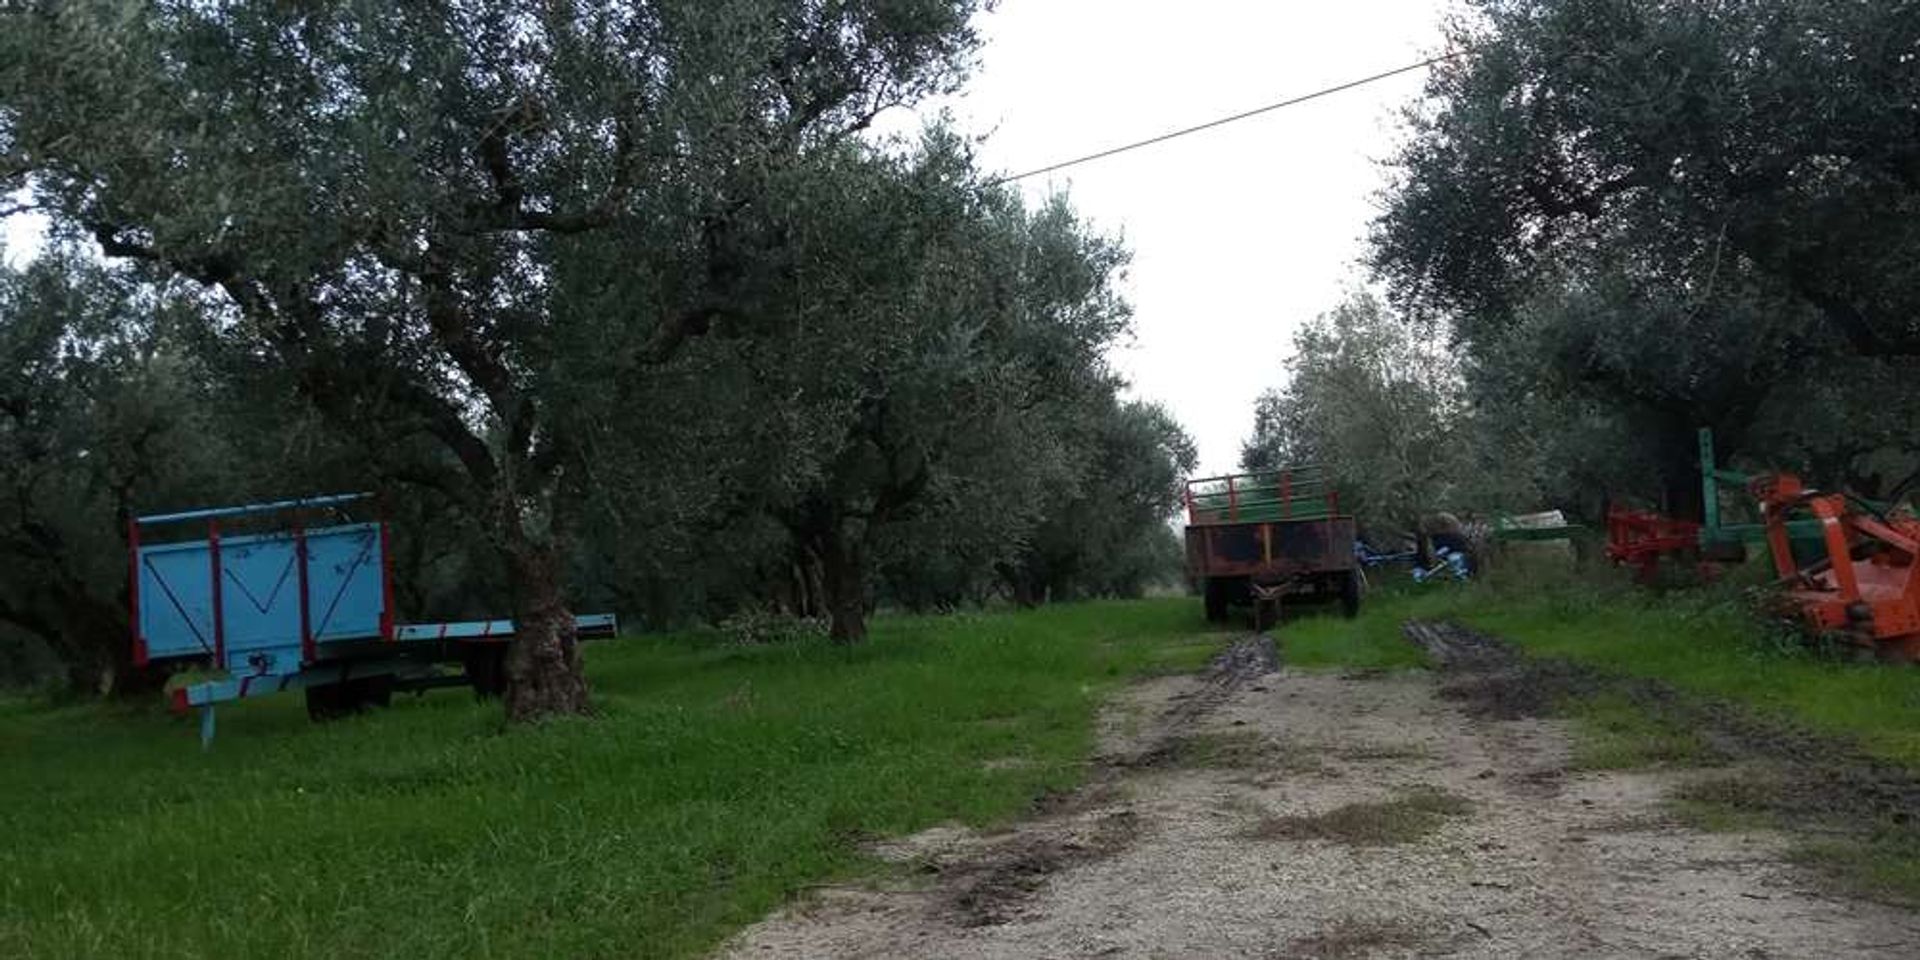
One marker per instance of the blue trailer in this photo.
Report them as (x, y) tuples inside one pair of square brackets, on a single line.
[(286, 606)]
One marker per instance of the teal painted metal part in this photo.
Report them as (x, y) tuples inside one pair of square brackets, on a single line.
[(262, 684), (274, 507)]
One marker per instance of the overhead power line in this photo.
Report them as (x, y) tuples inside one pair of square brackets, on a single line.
[(1223, 121)]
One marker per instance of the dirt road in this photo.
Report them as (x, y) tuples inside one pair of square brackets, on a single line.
[(1262, 812)]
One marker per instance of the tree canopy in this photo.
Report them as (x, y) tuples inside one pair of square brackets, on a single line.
[(622, 288), (1637, 218)]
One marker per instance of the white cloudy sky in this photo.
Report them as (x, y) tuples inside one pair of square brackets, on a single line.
[(1238, 233)]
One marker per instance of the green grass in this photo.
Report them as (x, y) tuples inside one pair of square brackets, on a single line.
[(1370, 641), (1712, 647), (1884, 864), (1873, 857), (1704, 642), (1616, 733), (717, 782)]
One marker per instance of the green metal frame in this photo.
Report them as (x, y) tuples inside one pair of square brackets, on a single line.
[(1524, 534), (1712, 531), (1294, 493)]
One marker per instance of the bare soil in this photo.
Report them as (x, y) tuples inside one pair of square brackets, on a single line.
[(1255, 811)]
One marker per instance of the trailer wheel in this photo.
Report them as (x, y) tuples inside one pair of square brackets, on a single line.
[(329, 701), (486, 665), (1216, 593), (1350, 595), (373, 691)]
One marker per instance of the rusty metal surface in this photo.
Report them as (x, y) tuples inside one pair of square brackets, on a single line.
[(1271, 551)]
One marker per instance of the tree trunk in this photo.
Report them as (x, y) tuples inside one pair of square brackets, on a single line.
[(1020, 582), (843, 580), (1680, 490), (805, 578), (91, 640), (544, 676)]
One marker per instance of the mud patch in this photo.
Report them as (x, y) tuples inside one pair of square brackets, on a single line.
[(1380, 752), (1237, 666), (1414, 814), (1232, 750), (1358, 937), (995, 888)]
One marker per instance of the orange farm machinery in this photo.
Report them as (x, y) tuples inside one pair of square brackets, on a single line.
[(1865, 588)]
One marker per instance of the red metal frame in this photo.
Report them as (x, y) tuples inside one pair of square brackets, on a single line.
[(219, 604), (1242, 488), (386, 581), (1639, 538)]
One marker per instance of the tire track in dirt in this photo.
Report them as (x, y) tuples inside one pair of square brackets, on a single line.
[(1248, 813), (1800, 775)]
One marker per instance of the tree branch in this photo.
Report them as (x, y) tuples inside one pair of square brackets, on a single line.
[(508, 211)]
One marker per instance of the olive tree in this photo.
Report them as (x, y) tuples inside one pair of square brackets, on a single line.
[(1373, 403), (405, 207)]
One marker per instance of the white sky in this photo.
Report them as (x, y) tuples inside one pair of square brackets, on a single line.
[(1238, 233)]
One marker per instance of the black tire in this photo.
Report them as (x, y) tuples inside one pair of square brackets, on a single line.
[(329, 701), (332, 701), (1216, 596), (374, 691), (1350, 595), (486, 665)]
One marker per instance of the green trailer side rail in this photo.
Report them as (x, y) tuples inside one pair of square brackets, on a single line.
[(1266, 496), (1713, 532)]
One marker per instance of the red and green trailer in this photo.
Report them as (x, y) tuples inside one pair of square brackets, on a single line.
[(1258, 539)]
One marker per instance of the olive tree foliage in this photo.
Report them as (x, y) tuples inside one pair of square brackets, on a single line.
[(96, 408), (1651, 215), (1105, 529), (1373, 403), (909, 402), (412, 210), (113, 405)]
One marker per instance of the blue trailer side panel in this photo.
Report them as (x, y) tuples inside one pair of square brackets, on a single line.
[(177, 617), (259, 596), (343, 582)]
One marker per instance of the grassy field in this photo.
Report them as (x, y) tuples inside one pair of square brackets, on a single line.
[(1702, 641), (718, 781), (721, 779)]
